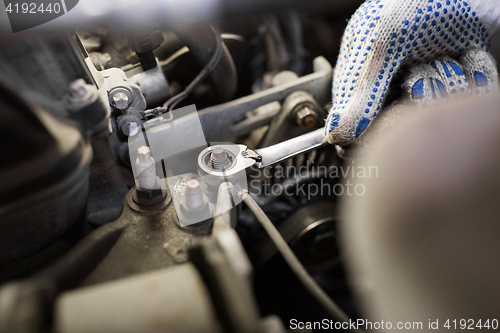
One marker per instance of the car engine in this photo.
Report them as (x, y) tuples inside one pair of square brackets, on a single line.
[(165, 169)]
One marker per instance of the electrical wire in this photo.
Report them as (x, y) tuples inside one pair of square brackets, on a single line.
[(209, 67), (308, 282), (205, 72)]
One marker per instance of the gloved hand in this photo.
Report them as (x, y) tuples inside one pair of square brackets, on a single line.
[(426, 36)]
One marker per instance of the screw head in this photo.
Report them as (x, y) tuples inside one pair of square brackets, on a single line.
[(120, 100), (306, 117)]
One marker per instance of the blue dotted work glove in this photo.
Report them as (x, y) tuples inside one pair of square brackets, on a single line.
[(444, 42)]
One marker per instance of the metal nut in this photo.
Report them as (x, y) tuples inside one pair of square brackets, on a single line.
[(306, 117), (149, 197), (121, 101)]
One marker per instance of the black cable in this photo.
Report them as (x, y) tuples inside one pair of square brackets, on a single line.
[(209, 67), (205, 72), (308, 282)]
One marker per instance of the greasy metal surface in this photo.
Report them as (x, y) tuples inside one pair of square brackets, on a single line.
[(153, 84), (153, 239), (257, 118), (228, 284), (175, 299)]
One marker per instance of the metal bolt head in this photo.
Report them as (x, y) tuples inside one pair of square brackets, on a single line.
[(219, 159), (193, 194), (306, 117), (144, 154), (120, 100), (193, 187)]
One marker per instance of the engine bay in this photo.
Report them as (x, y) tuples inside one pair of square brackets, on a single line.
[(177, 178)]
